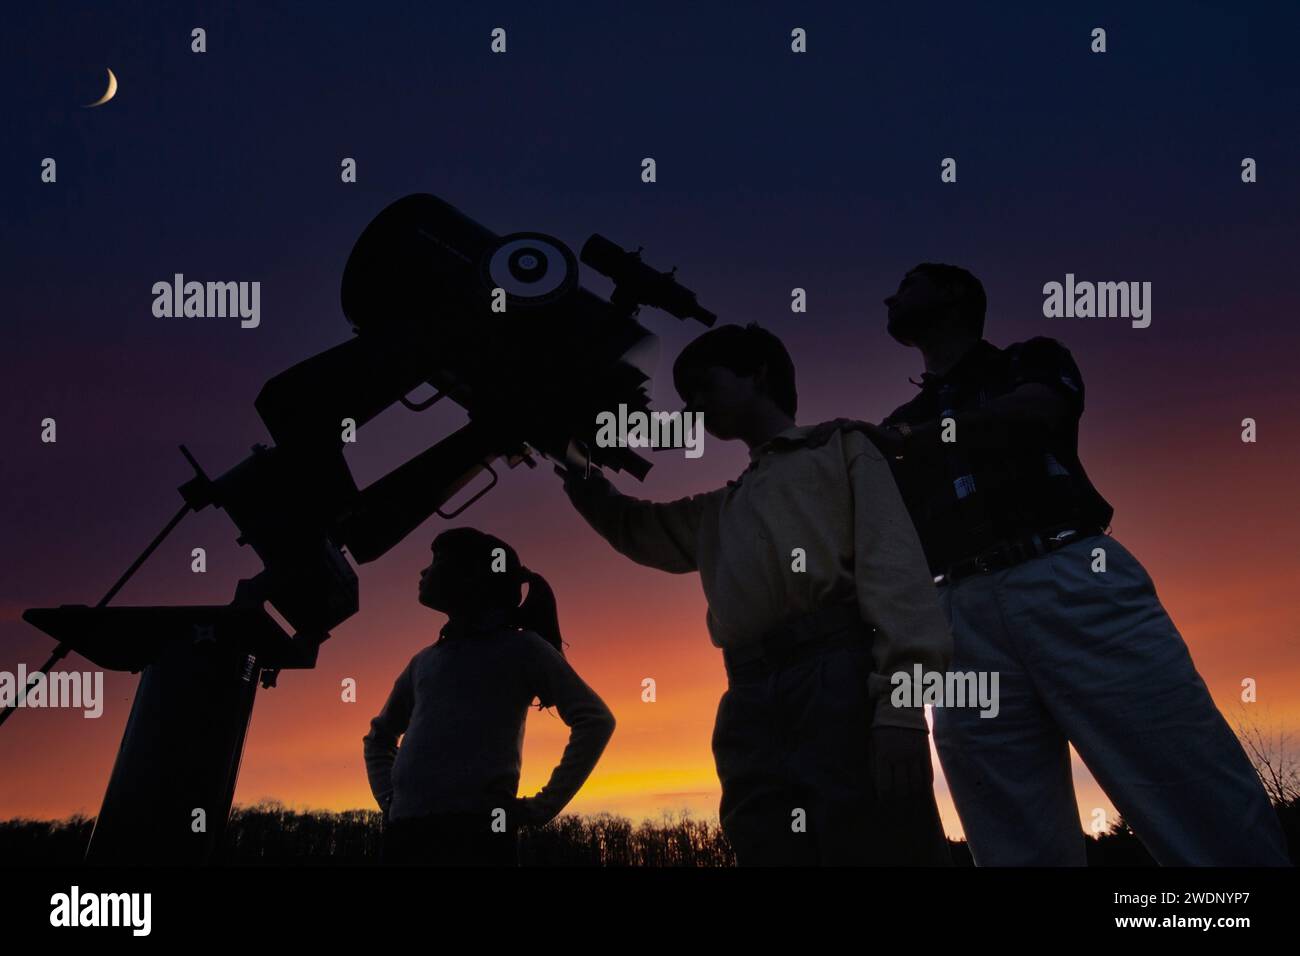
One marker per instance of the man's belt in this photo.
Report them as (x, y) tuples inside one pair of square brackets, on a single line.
[(1007, 554), (796, 639)]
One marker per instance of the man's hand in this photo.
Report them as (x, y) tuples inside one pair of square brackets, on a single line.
[(887, 439), (900, 762)]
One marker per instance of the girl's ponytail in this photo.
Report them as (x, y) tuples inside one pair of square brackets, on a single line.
[(538, 612)]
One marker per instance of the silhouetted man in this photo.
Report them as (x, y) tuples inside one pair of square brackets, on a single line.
[(986, 456)]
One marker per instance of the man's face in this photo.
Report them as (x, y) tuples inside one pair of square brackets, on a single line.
[(723, 398), (915, 307)]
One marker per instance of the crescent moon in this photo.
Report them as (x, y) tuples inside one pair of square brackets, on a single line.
[(108, 93)]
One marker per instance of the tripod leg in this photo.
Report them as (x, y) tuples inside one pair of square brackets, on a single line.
[(180, 754)]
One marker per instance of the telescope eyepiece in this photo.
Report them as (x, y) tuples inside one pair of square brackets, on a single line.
[(637, 283)]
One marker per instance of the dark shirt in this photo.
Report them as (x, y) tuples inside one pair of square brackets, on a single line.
[(975, 498)]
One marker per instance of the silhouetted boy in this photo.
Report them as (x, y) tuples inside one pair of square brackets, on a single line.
[(816, 765)]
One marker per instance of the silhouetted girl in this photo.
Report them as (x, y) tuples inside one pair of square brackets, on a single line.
[(449, 791)]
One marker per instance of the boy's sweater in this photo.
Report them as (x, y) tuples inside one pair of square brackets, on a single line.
[(461, 704), (825, 489)]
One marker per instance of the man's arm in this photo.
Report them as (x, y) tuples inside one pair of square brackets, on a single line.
[(657, 534), (1047, 396), (380, 745), (1025, 415), (590, 726), (894, 585)]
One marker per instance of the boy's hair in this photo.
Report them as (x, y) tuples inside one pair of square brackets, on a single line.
[(965, 291), (743, 350)]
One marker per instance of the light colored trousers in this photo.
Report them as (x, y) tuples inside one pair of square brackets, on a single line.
[(1092, 659)]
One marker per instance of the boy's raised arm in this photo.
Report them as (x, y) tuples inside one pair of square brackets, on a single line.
[(895, 587), (657, 534)]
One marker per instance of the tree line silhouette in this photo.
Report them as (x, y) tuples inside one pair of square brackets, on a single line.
[(268, 832)]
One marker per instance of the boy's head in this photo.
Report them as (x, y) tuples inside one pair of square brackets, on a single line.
[(730, 373), (936, 302)]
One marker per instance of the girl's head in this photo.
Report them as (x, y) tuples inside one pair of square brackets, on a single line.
[(472, 572)]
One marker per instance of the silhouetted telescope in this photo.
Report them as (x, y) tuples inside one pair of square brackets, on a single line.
[(499, 325)]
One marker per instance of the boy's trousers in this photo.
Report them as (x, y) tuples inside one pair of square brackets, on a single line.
[(792, 746), (1091, 658)]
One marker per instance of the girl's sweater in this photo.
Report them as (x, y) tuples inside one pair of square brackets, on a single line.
[(460, 707)]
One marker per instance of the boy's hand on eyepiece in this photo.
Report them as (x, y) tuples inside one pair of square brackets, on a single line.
[(900, 762), (577, 482)]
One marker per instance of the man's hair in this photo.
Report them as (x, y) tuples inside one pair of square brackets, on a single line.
[(743, 350), (965, 291)]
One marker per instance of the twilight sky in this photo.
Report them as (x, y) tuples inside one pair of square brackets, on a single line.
[(775, 170)]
